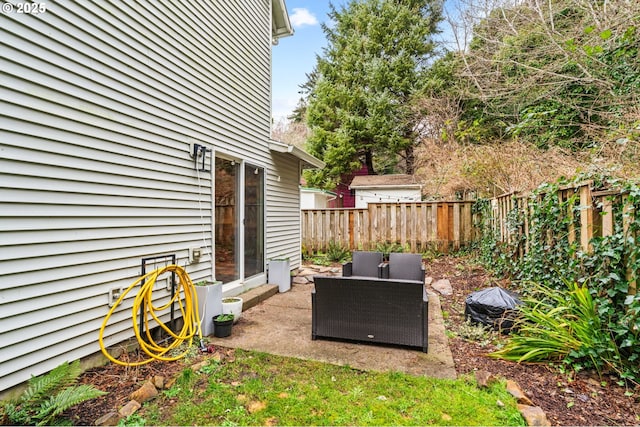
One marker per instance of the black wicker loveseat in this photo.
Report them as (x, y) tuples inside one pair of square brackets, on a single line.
[(370, 309)]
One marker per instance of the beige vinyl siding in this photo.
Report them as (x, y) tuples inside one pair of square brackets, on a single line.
[(99, 103), (283, 210)]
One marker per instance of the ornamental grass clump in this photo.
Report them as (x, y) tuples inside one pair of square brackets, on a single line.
[(561, 325)]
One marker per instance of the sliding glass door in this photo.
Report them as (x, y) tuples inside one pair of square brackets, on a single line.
[(253, 220), (239, 218), (227, 220)]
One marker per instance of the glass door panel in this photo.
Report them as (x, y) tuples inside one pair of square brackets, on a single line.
[(227, 223), (253, 220)]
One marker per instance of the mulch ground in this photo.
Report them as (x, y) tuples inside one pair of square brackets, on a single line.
[(566, 399)]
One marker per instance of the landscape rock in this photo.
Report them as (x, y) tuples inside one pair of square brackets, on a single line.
[(300, 280), (170, 382), (516, 391), (109, 419), (158, 382), (197, 366), (443, 286), (218, 357), (484, 378), (146, 392), (129, 409), (308, 272), (533, 415), (428, 280)]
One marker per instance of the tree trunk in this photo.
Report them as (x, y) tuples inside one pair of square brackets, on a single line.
[(410, 160), (368, 159)]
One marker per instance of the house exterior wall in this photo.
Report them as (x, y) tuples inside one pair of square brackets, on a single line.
[(365, 196), (307, 199), (283, 211), (101, 103)]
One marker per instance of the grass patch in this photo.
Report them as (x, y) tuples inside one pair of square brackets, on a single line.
[(263, 389)]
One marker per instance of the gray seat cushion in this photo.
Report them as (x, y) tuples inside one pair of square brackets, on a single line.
[(366, 263), (406, 266)]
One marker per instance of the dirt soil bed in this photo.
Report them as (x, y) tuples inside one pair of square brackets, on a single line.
[(567, 400)]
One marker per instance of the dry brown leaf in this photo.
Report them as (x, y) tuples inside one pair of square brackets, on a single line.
[(256, 406)]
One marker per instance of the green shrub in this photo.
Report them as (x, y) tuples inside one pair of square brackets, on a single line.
[(47, 396), (387, 247), (336, 252), (306, 252), (559, 325), (610, 268), (474, 332)]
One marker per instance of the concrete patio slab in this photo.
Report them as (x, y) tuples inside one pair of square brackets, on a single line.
[(281, 325)]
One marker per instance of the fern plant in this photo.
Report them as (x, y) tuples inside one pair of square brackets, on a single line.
[(336, 252), (48, 396)]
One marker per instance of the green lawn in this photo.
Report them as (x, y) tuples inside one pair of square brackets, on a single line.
[(262, 389)]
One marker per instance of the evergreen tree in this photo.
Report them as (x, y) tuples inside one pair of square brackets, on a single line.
[(359, 105)]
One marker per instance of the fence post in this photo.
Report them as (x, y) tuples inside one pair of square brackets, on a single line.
[(586, 217), (607, 218), (456, 226), (627, 214), (443, 226)]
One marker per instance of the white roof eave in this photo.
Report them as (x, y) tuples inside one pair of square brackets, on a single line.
[(307, 158), (281, 25)]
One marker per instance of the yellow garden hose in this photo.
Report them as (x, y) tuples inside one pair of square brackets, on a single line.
[(144, 299)]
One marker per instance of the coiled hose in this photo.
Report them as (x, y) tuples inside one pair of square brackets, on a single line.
[(144, 299)]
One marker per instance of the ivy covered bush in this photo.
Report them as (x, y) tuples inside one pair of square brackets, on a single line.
[(608, 271)]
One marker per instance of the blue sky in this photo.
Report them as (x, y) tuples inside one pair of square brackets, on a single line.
[(295, 56)]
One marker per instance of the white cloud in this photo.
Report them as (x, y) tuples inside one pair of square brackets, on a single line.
[(302, 17), (283, 107)]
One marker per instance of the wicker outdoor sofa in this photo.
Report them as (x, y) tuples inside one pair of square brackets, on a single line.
[(373, 309)]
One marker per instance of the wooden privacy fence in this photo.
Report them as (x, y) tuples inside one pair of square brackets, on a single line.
[(419, 226), (592, 213)]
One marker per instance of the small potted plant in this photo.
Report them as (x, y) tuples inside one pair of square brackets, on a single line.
[(232, 305), (222, 324)]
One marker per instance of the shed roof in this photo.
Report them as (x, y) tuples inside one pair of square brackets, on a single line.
[(384, 181)]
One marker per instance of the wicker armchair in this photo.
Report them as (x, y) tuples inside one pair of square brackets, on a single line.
[(368, 309), (363, 264), (404, 267)]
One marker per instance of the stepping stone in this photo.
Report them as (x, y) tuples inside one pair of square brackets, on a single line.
[(443, 286)]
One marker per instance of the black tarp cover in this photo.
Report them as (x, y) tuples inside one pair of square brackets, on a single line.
[(495, 307)]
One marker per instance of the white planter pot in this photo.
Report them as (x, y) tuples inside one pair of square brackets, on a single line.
[(232, 305), (209, 305), (280, 274)]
